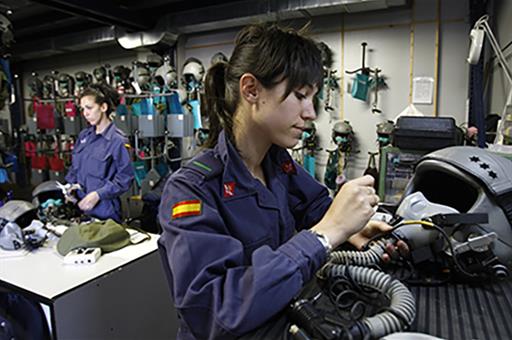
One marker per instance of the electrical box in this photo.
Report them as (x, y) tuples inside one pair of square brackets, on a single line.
[(426, 133), (38, 176), (125, 123), (396, 169), (180, 125), (32, 125), (151, 125), (72, 125)]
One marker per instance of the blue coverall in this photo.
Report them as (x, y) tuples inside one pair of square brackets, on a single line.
[(238, 253), (101, 163)]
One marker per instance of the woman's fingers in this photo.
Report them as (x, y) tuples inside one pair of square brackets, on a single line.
[(366, 180)]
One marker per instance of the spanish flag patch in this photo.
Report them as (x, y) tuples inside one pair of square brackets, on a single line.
[(186, 208)]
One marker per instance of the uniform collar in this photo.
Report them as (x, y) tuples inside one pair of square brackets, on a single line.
[(109, 131), (282, 159), (235, 171), (226, 150)]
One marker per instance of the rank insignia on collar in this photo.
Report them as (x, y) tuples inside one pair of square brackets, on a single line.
[(288, 167), (229, 189), (186, 208)]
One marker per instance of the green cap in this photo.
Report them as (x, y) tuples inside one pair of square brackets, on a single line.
[(107, 235)]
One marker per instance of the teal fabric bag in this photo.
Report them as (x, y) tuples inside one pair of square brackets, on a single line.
[(137, 108), (140, 170), (360, 86)]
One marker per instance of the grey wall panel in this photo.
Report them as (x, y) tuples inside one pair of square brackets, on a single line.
[(500, 22), (387, 33), (453, 71)]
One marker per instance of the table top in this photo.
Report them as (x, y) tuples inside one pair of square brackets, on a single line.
[(43, 272), (465, 311)]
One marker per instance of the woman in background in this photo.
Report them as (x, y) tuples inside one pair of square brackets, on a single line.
[(101, 169)]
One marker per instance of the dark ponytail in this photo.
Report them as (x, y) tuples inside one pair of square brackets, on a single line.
[(214, 103)]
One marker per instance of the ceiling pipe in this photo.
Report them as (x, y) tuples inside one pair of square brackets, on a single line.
[(241, 13), (168, 28)]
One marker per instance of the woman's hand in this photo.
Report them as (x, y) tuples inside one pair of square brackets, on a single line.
[(89, 201), (70, 189), (350, 210), (373, 228)]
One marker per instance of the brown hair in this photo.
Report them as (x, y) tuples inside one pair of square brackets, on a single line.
[(270, 53), (102, 93)]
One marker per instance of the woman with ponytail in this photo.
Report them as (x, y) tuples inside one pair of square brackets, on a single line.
[(244, 226), (101, 167)]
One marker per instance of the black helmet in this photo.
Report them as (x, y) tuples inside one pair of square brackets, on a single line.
[(83, 78), (100, 74), (6, 34), (36, 86), (218, 57), (47, 190), (48, 86), (470, 180), (66, 85), (326, 54), (121, 73)]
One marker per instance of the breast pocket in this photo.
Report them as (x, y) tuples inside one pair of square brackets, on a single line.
[(98, 165), (251, 224), (97, 168)]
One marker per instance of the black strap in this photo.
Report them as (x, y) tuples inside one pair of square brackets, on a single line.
[(468, 218)]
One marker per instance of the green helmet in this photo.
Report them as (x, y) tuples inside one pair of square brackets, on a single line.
[(385, 128), (342, 128), (342, 135)]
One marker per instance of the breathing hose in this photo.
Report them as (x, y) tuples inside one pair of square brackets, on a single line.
[(398, 316)]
